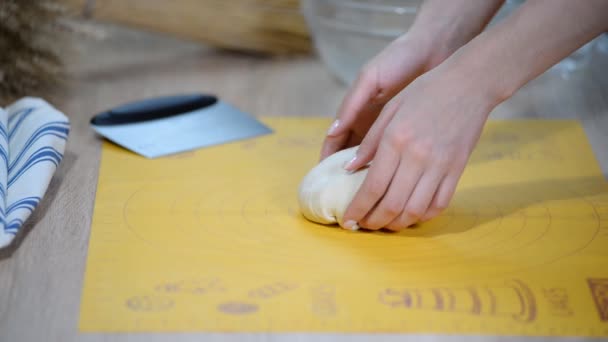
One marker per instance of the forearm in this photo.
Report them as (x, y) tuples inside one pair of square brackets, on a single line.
[(448, 25), (528, 42)]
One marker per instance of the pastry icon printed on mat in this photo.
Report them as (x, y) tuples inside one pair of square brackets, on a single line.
[(272, 290), (559, 301), (150, 303), (599, 292), (513, 299), (237, 308), (197, 286), (323, 300)]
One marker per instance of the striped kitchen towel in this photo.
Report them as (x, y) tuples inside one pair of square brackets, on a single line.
[(33, 135)]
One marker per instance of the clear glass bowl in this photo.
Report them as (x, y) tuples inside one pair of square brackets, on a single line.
[(568, 67), (347, 33)]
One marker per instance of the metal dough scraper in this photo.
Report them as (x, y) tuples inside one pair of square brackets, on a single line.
[(167, 125)]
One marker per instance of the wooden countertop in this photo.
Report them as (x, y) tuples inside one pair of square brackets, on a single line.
[(41, 276)]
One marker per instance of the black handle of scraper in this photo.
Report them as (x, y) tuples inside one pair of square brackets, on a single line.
[(154, 108)]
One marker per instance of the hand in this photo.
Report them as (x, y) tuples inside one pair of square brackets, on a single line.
[(383, 77), (421, 141), (440, 29), (418, 148)]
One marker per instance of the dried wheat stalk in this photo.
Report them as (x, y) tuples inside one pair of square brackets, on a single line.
[(29, 43)]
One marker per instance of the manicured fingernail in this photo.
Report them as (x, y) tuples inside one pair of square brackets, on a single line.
[(333, 128), (351, 225), (348, 166)]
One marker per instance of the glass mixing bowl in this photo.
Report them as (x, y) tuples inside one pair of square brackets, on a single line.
[(347, 33)]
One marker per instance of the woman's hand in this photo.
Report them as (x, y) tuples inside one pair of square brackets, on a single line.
[(378, 82), (439, 30), (420, 145), (429, 123), (422, 140)]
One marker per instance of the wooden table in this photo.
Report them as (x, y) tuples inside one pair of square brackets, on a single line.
[(41, 276)]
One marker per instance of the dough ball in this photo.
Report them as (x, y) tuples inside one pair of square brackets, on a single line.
[(327, 190)]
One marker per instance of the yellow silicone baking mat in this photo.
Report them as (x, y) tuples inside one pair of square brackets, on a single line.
[(213, 240)]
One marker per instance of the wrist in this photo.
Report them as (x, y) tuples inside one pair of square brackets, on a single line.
[(521, 47), (447, 26), (477, 67), (431, 42)]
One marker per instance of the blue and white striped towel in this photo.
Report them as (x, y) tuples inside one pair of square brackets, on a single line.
[(33, 135)]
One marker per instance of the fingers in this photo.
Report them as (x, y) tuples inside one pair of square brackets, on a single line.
[(357, 105), (419, 200), (353, 140), (442, 197), (374, 186), (433, 210), (392, 204), (352, 136), (419, 189), (377, 84), (368, 147), (334, 144), (358, 99)]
